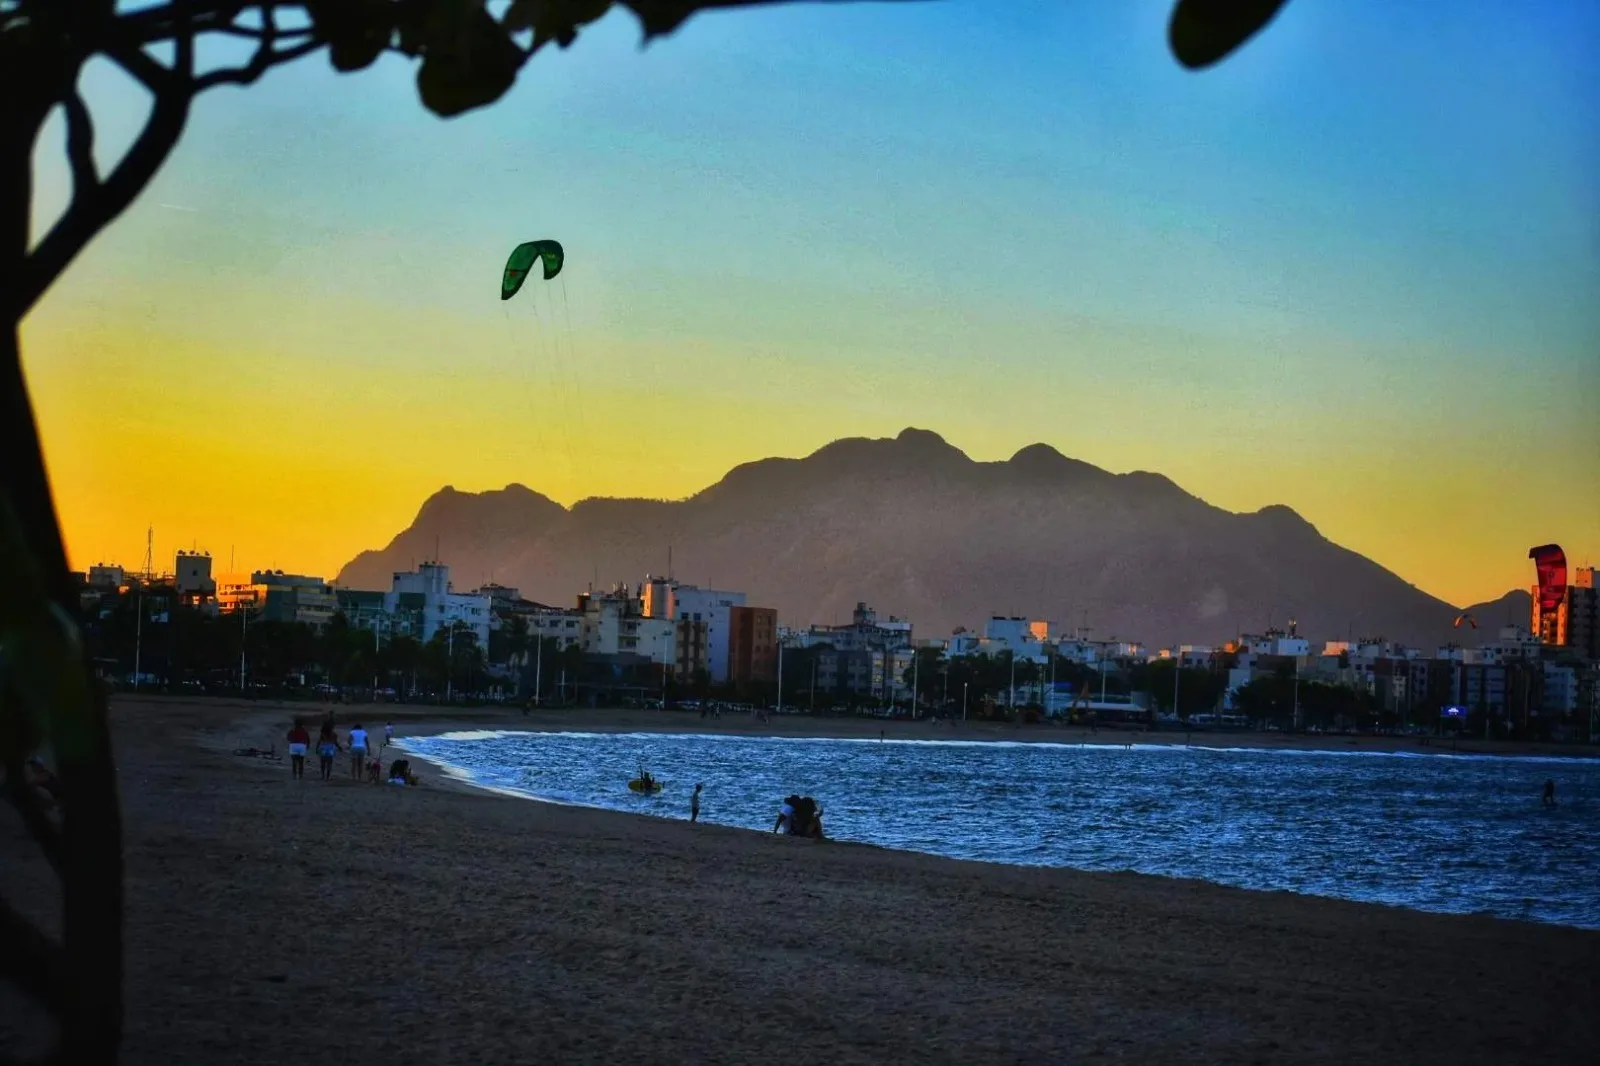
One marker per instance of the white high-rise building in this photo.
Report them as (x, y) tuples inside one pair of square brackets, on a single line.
[(714, 607), (427, 590), (192, 575)]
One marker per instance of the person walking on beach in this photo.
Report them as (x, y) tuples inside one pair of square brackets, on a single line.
[(299, 741), (358, 751), (694, 803), (388, 733), (1549, 792), (327, 748)]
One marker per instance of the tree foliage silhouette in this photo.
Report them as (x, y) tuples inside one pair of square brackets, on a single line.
[(468, 54)]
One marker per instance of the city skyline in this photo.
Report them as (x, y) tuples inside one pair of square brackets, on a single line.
[(1305, 277)]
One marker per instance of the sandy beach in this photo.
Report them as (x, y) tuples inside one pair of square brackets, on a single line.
[(272, 920)]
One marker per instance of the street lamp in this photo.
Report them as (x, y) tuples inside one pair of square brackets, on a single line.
[(1011, 693), (916, 663), (1055, 653), (1296, 716), (376, 622), (1177, 673), (665, 656), (244, 636)]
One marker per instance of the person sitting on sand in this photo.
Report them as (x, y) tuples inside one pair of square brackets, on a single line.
[(785, 822), (800, 816), (400, 773)]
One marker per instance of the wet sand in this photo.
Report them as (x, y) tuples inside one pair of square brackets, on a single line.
[(277, 921)]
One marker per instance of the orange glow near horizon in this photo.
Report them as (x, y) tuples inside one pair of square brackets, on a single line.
[(1286, 281)]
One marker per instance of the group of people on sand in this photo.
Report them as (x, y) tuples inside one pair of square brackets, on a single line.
[(364, 761), (799, 816)]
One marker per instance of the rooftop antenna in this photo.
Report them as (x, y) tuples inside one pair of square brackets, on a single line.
[(149, 553)]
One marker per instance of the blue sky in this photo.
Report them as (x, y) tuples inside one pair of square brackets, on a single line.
[(1352, 269)]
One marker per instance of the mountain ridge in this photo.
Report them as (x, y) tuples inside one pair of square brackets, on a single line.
[(916, 527)]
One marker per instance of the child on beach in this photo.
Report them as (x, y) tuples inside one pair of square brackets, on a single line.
[(299, 741), (358, 751), (327, 748)]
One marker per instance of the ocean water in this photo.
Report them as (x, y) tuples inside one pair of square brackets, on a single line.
[(1458, 834)]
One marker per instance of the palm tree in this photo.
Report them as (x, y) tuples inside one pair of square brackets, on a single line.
[(517, 645)]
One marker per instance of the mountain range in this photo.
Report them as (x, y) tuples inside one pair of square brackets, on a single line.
[(916, 528)]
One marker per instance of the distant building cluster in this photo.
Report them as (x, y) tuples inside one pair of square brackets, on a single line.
[(714, 636)]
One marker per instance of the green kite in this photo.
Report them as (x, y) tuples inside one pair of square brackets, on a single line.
[(523, 256)]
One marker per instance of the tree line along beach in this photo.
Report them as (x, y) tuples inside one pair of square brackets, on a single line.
[(269, 919)]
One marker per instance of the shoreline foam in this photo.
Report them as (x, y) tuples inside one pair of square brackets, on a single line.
[(502, 771)]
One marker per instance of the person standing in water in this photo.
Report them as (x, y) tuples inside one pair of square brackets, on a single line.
[(1549, 792), (694, 803)]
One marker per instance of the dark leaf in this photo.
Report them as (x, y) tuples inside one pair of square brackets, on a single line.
[(467, 65), (661, 17), (523, 15), (553, 20), (357, 31), (424, 23), (1204, 31)]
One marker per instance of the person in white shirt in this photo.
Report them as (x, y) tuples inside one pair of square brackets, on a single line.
[(388, 734), (785, 823), (358, 751)]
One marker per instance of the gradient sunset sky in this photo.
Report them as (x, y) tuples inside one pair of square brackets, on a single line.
[(1355, 270)]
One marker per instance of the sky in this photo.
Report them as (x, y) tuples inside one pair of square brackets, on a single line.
[(1353, 269)]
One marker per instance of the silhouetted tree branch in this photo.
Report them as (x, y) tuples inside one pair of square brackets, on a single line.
[(94, 206)]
